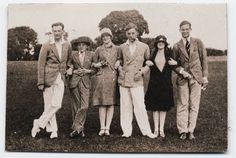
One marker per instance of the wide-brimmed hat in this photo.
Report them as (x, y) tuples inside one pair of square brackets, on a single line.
[(161, 38), (83, 39), (105, 31)]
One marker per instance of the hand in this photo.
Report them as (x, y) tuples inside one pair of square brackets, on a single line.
[(41, 87), (204, 86), (172, 62), (204, 83), (137, 76), (104, 63), (186, 75), (87, 71), (117, 64), (78, 72), (69, 71), (149, 63), (97, 65)]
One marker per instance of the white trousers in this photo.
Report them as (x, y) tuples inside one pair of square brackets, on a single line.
[(188, 100), (52, 96), (132, 100)]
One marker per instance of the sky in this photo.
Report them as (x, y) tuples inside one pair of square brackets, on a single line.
[(208, 20)]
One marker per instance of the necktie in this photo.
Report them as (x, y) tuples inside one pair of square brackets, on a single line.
[(187, 47), (81, 56)]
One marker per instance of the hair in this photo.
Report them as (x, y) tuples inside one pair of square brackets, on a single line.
[(105, 34), (131, 26), (58, 24), (185, 22)]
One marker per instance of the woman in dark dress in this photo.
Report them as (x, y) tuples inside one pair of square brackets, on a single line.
[(159, 95)]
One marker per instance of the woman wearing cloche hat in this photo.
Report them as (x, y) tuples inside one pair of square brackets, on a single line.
[(105, 87), (159, 95)]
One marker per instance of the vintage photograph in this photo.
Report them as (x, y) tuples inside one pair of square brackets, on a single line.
[(117, 78)]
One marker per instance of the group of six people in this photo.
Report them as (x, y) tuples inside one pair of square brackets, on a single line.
[(119, 72)]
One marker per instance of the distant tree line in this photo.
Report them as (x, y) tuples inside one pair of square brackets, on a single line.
[(23, 44)]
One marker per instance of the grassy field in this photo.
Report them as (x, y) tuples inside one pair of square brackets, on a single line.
[(25, 103)]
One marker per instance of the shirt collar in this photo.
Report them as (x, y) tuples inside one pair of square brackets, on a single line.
[(108, 47), (52, 41), (184, 39), (135, 42)]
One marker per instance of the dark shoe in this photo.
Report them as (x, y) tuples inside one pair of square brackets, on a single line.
[(183, 136), (81, 134), (74, 134), (191, 136)]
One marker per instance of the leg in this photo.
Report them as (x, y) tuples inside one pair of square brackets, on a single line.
[(75, 100), (182, 108), (81, 113), (156, 115), (126, 111), (162, 123), (140, 112), (102, 118), (109, 112), (52, 102), (195, 96)]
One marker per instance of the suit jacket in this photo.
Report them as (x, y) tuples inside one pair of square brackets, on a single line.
[(75, 64), (195, 63), (49, 63), (132, 64)]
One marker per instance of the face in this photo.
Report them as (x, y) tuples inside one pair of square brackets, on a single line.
[(160, 45), (57, 32), (106, 39), (82, 47), (185, 30), (131, 34)]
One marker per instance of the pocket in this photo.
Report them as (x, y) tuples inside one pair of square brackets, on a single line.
[(121, 74), (137, 76)]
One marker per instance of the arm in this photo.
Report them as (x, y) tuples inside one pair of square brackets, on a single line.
[(70, 65), (41, 66), (204, 64), (119, 59), (147, 62), (175, 53), (203, 59)]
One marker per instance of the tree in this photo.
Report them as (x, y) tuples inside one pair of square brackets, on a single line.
[(20, 39), (117, 20)]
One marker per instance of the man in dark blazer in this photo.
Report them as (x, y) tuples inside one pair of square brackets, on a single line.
[(133, 54), (52, 67), (192, 71), (80, 83)]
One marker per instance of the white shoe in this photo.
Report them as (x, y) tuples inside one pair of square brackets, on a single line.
[(53, 135), (156, 133), (35, 128), (107, 133), (102, 132), (162, 134), (126, 136), (150, 135)]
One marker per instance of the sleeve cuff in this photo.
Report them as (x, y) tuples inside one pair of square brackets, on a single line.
[(205, 80)]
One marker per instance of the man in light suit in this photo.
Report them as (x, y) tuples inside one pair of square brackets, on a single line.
[(192, 71), (52, 66), (133, 54), (80, 84)]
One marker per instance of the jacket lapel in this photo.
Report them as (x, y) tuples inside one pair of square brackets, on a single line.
[(54, 50), (135, 54), (127, 52), (192, 44), (64, 52), (182, 47), (77, 59)]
